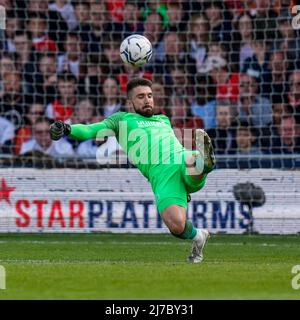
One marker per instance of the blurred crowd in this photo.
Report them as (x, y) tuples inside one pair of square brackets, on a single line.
[(231, 67)]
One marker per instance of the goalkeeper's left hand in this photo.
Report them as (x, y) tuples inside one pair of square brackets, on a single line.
[(58, 129)]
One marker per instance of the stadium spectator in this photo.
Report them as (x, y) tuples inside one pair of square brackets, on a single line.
[(128, 73), (13, 101), (276, 81), (131, 21), (42, 142), (63, 107), (183, 121), (35, 111), (153, 7), (115, 9), (236, 8), (7, 134), (259, 62), (13, 24), (84, 112), (45, 78), (7, 4), (265, 19), (204, 104), (110, 98), (226, 82), (7, 65), (245, 31), (217, 49), (245, 140), (72, 60), (57, 26), (294, 90), (288, 141), (175, 55), (153, 30), (25, 59), (160, 96), (223, 136), (176, 16), (66, 9), (219, 21), (94, 77), (270, 133), (199, 39), (111, 54), (92, 36), (266, 52), (82, 12), (181, 83), (252, 107), (37, 26), (288, 40)]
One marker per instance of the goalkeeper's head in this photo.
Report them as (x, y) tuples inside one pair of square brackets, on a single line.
[(140, 96)]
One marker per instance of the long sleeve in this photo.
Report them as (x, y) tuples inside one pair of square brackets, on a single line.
[(107, 127)]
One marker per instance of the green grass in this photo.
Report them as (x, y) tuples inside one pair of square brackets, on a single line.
[(137, 266)]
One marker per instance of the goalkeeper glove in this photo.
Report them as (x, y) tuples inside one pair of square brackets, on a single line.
[(58, 129)]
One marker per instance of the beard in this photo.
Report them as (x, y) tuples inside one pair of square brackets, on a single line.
[(145, 112)]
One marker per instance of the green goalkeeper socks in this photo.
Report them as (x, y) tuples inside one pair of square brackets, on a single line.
[(189, 231)]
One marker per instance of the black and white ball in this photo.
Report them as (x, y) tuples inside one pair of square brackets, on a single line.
[(136, 50)]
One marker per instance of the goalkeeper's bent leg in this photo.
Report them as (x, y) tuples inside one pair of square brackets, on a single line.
[(174, 217)]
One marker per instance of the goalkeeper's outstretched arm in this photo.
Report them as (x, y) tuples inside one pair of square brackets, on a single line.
[(58, 129)]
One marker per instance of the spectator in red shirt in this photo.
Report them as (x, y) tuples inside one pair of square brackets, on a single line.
[(115, 9), (227, 83), (37, 26), (63, 108)]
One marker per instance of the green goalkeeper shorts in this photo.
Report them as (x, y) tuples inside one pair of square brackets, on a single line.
[(172, 183)]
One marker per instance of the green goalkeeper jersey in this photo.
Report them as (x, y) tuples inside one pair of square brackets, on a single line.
[(147, 141)]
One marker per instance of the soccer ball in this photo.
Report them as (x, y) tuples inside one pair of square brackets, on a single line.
[(136, 50)]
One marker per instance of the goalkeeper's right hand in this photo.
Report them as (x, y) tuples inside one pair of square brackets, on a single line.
[(58, 129)]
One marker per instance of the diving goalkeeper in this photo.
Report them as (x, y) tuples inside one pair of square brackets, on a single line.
[(151, 145)]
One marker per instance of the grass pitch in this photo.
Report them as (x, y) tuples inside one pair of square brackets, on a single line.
[(137, 266)]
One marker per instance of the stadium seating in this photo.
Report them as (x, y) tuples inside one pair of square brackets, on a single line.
[(231, 67)]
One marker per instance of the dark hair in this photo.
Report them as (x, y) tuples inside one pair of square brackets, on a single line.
[(37, 15), (48, 54), (278, 98), (237, 24), (73, 34), (22, 33), (66, 76), (136, 82), (9, 55), (224, 103), (131, 2), (76, 3), (205, 89), (43, 119), (244, 125)]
